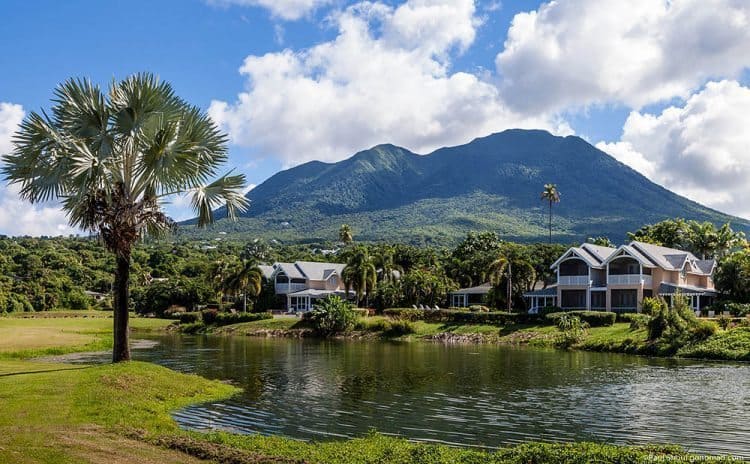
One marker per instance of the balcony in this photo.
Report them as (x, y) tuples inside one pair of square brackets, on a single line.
[(629, 279), (284, 288), (573, 280)]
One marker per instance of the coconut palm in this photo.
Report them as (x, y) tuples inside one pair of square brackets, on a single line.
[(345, 234), (360, 273), (248, 280), (552, 195), (384, 262), (113, 158)]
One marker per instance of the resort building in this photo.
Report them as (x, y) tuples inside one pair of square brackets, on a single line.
[(302, 282), (618, 279), (466, 297)]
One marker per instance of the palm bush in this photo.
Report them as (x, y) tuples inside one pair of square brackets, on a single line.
[(331, 316)]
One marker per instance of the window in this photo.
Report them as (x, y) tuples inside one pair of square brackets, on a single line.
[(574, 299), (625, 299), (334, 280), (598, 300)]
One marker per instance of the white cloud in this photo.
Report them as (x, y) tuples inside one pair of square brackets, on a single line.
[(286, 9), (575, 53), (385, 78), (700, 150), (18, 217)]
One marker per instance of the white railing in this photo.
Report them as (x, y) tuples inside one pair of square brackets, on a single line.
[(573, 280), (629, 279), (283, 288)]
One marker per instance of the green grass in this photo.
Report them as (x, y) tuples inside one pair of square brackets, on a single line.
[(24, 338), (733, 344), (57, 413)]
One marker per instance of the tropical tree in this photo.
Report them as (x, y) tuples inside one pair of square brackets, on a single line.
[(551, 195), (360, 273), (384, 262), (247, 280), (502, 265), (601, 241), (345, 234), (113, 158)]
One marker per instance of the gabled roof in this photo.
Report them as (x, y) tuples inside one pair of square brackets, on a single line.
[(309, 270), (593, 255), (674, 260), (547, 292), (266, 270)]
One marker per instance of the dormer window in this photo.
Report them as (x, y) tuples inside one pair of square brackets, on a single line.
[(334, 280), (683, 272)]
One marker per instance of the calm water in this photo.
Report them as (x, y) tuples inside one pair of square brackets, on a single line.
[(468, 395)]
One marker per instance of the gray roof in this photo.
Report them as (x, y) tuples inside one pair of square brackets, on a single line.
[(671, 289), (549, 291), (706, 265), (600, 253), (478, 290), (266, 270), (313, 293), (310, 270), (667, 258)]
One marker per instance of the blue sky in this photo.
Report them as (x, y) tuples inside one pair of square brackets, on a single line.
[(324, 78)]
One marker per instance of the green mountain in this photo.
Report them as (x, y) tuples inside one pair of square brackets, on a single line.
[(492, 183)]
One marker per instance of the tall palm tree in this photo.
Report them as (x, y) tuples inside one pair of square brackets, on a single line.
[(113, 158), (499, 267), (360, 273), (552, 195), (384, 262), (345, 234), (218, 274), (248, 280)]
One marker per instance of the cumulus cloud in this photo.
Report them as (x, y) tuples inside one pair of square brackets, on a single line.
[(575, 53), (18, 217), (285, 9), (699, 149), (386, 77)]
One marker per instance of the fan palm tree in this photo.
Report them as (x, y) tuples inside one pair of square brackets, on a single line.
[(113, 158), (360, 273), (345, 234), (552, 195), (247, 280)]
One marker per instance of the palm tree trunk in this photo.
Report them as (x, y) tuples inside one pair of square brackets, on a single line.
[(510, 285), (550, 222), (121, 350), (244, 302)]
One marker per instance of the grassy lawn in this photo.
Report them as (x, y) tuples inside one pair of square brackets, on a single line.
[(23, 337), (57, 413)]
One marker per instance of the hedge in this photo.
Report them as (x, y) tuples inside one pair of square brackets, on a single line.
[(189, 318), (592, 318), (212, 316), (455, 316)]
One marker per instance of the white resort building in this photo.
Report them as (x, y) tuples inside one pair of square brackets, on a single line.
[(303, 282)]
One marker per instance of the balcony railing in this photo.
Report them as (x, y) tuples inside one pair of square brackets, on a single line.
[(284, 288), (573, 280), (629, 279)]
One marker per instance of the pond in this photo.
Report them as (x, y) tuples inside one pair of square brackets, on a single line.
[(472, 395)]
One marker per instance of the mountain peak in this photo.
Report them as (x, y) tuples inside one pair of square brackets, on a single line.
[(491, 183)]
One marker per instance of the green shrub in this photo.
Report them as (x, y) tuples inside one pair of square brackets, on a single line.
[(572, 330), (705, 329), (453, 316), (236, 318), (724, 322), (331, 316), (399, 328), (189, 318), (735, 309), (209, 316), (637, 321), (650, 306), (592, 318)]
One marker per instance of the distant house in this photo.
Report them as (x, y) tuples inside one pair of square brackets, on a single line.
[(304, 282), (618, 279), (96, 296), (465, 297)]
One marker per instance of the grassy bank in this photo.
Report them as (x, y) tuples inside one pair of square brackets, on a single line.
[(51, 334), (727, 344)]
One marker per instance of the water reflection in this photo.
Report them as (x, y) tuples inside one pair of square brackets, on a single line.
[(468, 395)]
